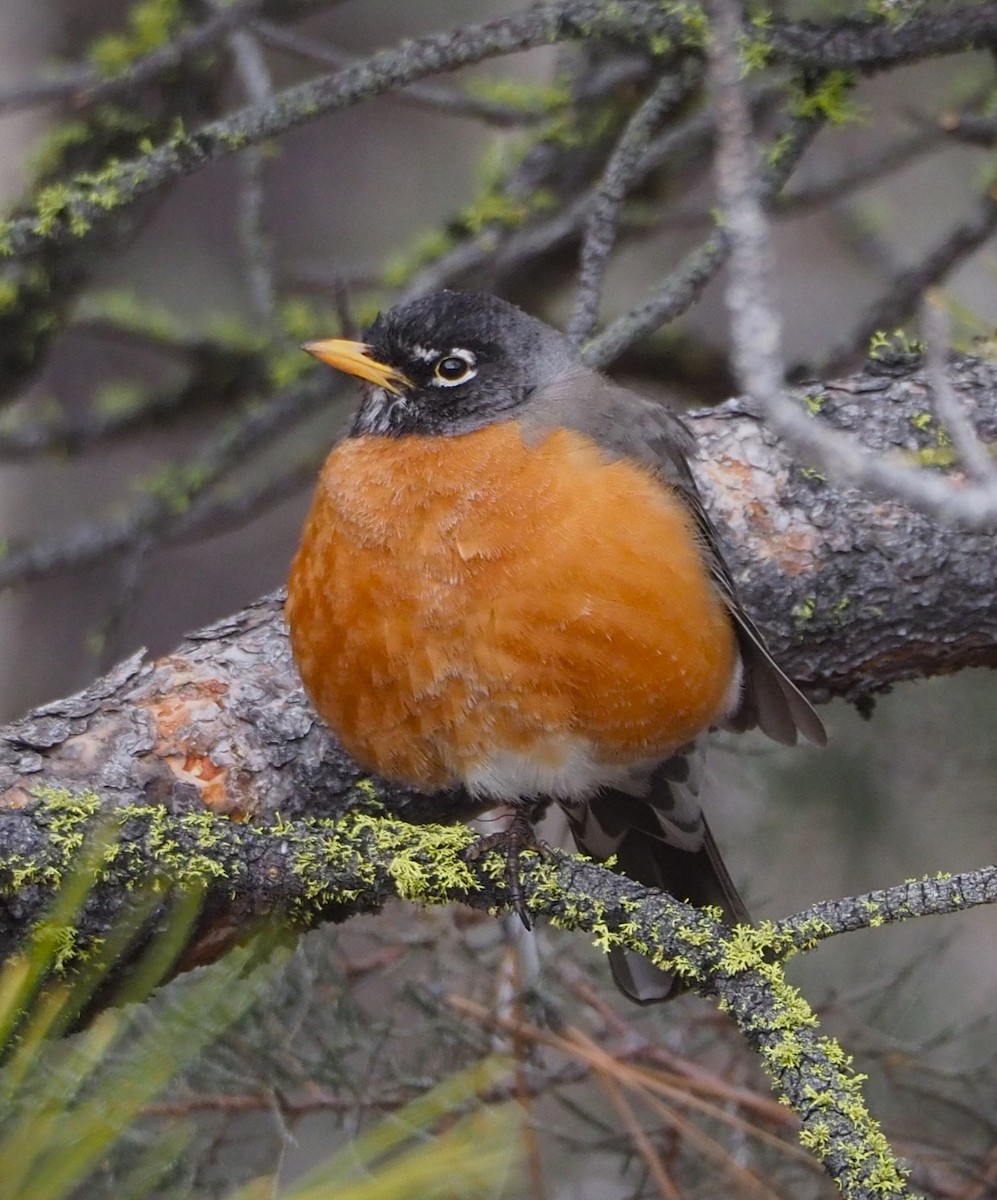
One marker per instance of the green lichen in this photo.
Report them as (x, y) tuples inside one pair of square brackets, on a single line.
[(193, 860), (809, 933), (150, 24), (886, 346), (75, 141), (133, 313), (66, 137), (429, 878), (67, 816), (522, 95), (831, 100), (756, 53), (501, 208), (9, 293), (52, 207), (783, 144), (941, 457), (286, 366), (118, 398), (805, 610), (233, 332), (941, 453), (694, 21), (427, 248), (300, 319), (177, 484)]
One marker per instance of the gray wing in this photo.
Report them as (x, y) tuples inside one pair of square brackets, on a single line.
[(626, 425)]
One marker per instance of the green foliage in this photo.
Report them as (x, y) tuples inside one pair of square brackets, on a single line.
[(470, 1159), (65, 1104), (73, 1108)]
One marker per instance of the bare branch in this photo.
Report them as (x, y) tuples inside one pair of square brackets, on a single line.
[(757, 330), (604, 212), (876, 43), (685, 283), (975, 456), (902, 295), (170, 498)]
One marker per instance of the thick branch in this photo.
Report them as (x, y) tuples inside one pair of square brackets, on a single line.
[(855, 595)]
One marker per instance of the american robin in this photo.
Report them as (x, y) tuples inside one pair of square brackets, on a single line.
[(507, 581)]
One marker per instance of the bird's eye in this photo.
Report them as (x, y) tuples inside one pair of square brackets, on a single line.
[(456, 367)]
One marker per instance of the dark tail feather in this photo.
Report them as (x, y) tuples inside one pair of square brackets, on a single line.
[(769, 698), (662, 841)]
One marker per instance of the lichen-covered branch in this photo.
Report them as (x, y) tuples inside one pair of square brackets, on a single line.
[(323, 868), (74, 211)]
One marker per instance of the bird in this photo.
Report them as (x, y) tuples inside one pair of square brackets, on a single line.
[(507, 582)]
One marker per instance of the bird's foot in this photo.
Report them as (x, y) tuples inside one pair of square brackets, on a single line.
[(518, 836)]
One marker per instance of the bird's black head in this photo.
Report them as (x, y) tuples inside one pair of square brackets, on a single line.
[(449, 363)]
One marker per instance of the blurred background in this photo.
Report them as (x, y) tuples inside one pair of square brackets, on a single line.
[(157, 449)]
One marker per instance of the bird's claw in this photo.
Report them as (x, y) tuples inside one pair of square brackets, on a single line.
[(517, 837)]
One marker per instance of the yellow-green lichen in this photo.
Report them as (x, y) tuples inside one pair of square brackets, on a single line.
[(942, 457), (427, 248), (756, 53), (694, 21), (118, 398), (150, 24), (9, 292), (887, 345), (176, 485), (805, 610), (831, 99), (522, 95)]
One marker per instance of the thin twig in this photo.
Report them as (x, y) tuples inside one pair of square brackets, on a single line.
[(257, 246), (607, 202), (157, 513), (433, 96), (700, 266), (936, 331), (756, 325), (93, 201), (902, 294), (84, 86)]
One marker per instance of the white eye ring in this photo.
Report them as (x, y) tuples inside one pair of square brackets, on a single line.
[(454, 368)]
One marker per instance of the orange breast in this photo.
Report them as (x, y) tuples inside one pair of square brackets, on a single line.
[(456, 596)]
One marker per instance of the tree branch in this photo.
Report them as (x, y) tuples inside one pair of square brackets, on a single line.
[(855, 594), (218, 775), (76, 211)]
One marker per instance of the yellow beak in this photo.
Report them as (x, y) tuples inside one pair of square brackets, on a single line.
[(352, 357)]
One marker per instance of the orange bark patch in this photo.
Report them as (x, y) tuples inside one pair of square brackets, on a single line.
[(181, 718), (750, 500)]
